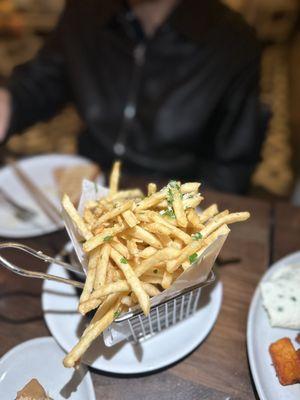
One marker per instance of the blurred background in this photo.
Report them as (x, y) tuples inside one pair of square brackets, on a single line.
[(24, 25)]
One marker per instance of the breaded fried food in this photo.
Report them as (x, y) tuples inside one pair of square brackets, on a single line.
[(286, 361)]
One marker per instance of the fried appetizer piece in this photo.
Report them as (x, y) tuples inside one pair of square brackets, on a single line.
[(286, 361), (33, 390)]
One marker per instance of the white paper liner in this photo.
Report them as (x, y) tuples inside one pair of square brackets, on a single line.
[(196, 274)]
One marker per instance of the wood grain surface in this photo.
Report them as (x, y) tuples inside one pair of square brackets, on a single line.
[(286, 230), (218, 369)]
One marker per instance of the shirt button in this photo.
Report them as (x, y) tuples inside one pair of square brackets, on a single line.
[(129, 111), (119, 149)]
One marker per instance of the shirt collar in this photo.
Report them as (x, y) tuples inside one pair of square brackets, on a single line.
[(190, 18), (194, 18)]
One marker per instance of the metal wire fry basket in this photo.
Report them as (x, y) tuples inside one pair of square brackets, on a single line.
[(135, 327)]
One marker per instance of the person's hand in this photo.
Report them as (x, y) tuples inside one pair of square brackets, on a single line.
[(5, 112)]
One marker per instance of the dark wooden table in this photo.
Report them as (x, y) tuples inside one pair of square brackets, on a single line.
[(218, 369)]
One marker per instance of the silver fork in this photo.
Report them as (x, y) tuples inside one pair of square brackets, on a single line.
[(22, 213)]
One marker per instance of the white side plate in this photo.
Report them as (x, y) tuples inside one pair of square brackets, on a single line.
[(41, 358), (260, 335), (40, 170), (59, 303)]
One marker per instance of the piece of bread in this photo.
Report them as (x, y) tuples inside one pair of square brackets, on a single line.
[(32, 390), (69, 179), (286, 361)]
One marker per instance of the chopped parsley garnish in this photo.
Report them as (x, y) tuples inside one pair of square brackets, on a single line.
[(107, 238), (197, 236), (280, 309), (169, 213), (293, 298), (170, 197), (117, 313), (155, 271), (193, 257), (123, 260), (82, 241), (171, 186), (174, 185), (96, 187)]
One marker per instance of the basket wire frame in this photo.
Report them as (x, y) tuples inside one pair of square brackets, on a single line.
[(138, 327), (161, 317)]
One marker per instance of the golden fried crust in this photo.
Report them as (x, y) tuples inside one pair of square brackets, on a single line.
[(286, 361)]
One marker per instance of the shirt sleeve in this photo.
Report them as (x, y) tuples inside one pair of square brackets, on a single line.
[(40, 87)]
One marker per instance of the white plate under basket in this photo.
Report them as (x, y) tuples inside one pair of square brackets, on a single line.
[(60, 302)]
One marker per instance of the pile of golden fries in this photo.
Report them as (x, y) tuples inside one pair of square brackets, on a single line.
[(137, 246)]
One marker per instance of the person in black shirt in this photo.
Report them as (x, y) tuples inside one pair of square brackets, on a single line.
[(170, 87)]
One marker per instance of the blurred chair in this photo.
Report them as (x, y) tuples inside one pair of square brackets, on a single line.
[(18, 43), (274, 21), (274, 173)]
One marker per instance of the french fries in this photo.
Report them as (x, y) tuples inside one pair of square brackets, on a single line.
[(137, 246), (79, 223), (114, 178), (133, 280), (152, 188), (102, 266), (85, 341), (175, 201)]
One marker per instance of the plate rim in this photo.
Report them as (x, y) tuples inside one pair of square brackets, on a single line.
[(48, 339), (36, 232), (254, 305), (132, 370)]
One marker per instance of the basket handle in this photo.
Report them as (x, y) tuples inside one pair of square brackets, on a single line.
[(34, 274)]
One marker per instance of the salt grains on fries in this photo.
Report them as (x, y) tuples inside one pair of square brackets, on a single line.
[(138, 246)]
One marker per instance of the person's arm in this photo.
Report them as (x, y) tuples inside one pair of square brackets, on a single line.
[(240, 134), (37, 89)]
